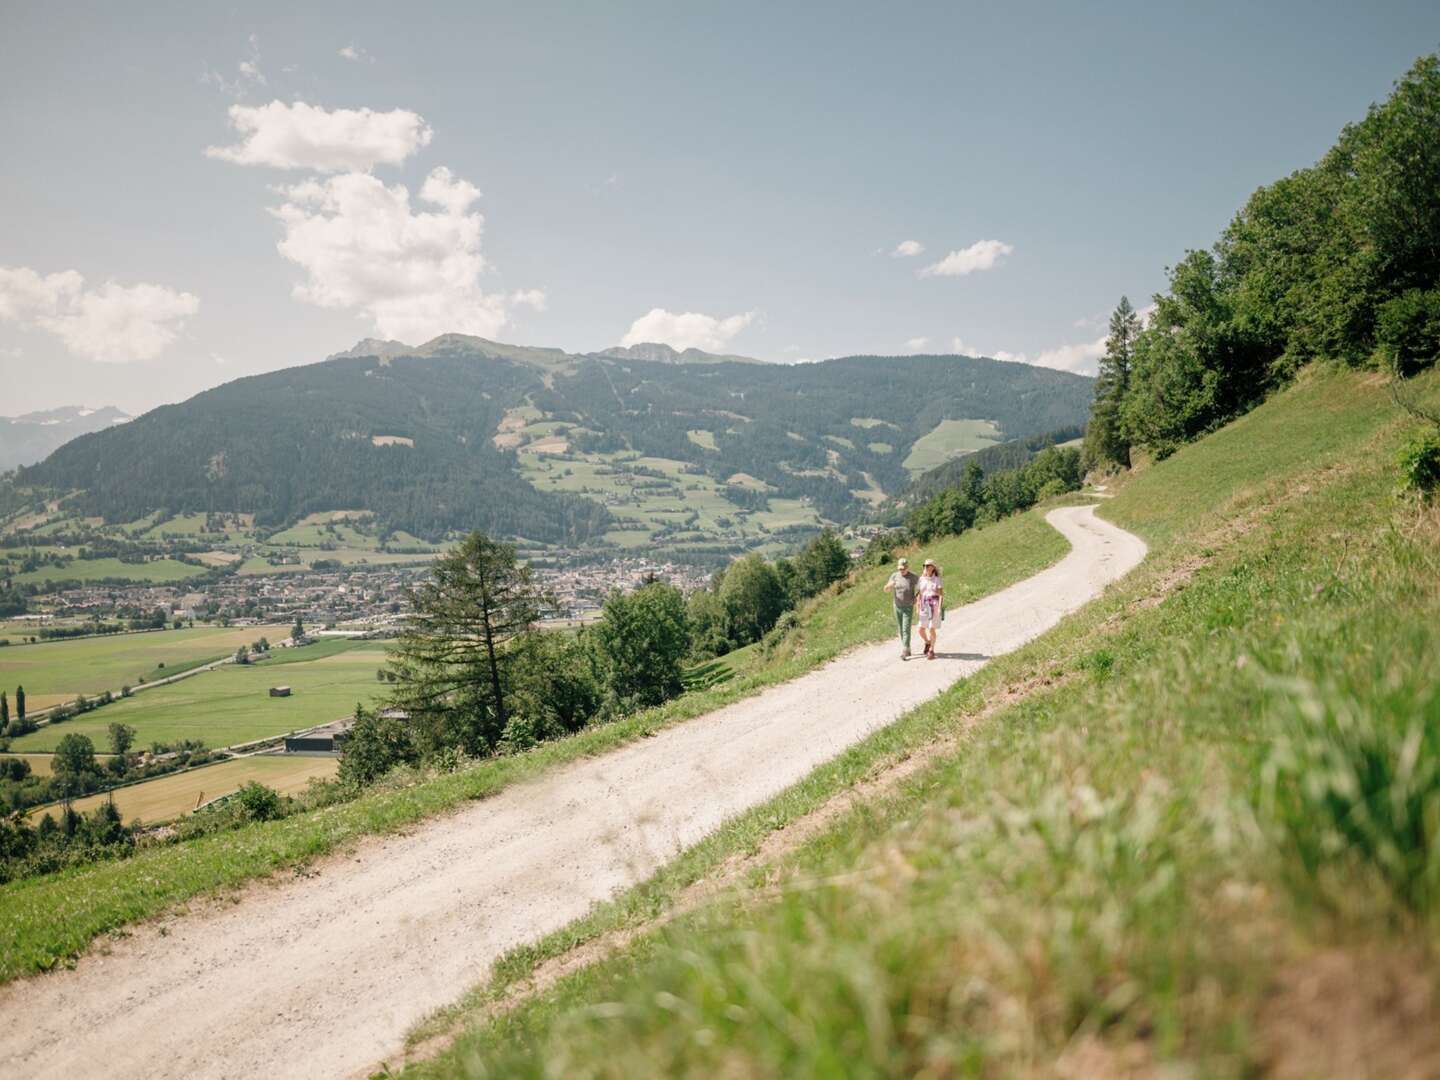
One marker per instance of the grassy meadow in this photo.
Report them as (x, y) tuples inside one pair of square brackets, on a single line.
[(1191, 831), (57, 671), (45, 919), (949, 439), (232, 704)]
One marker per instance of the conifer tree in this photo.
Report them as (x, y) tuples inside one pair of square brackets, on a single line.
[(451, 663), (1106, 440)]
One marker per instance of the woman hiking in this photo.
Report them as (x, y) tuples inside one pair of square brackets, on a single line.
[(931, 604)]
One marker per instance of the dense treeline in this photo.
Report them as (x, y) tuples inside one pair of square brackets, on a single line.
[(979, 499), (301, 440), (1002, 457), (1340, 261), (472, 675)]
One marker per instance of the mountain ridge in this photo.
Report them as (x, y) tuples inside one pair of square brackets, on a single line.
[(548, 446)]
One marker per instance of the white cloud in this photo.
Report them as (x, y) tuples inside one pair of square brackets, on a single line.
[(981, 255), (531, 298), (414, 273), (301, 136), (114, 323), (357, 54), (915, 344), (907, 249), (1083, 357), (687, 331)]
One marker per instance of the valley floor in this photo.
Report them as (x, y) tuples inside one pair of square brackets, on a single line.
[(325, 973)]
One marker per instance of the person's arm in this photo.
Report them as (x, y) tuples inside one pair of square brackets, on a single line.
[(889, 584)]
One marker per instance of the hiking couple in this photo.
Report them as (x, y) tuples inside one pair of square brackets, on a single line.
[(923, 595)]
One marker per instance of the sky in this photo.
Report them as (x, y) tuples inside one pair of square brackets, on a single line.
[(196, 192)]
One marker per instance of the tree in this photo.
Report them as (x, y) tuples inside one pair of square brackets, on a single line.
[(20, 703), (709, 624), (376, 743), (753, 598), (4, 711), (556, 686), (452, 659), (1106, 441), (642, 639), (122, 737), (242, 655), (820, 563), (74, 756), (297, 632)]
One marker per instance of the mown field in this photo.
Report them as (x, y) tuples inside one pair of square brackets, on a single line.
[(56, 671), (168, 797), (156, 571), (1190, 832), (949, 439), (231, 704)]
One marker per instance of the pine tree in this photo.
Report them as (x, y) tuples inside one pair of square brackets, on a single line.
[(20, 703), (452, 660), (4, 711), (1106, 441)]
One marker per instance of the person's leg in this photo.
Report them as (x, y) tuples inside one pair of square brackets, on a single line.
[(902, 623)]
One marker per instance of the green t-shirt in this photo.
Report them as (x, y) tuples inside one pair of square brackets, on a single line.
[(904, 588)]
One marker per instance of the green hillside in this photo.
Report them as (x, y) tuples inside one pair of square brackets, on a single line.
[(702, 457), (1174, 832)]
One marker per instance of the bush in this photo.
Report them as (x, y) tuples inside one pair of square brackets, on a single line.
[(1419, 461), (1408, 331), (259, 803)]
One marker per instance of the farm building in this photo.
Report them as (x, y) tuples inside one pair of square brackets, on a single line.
[(328, 739), (279, 691)]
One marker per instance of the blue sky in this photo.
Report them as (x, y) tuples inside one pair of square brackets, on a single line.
[(751, 166)]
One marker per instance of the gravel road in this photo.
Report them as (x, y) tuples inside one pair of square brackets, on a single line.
[(322, 975)]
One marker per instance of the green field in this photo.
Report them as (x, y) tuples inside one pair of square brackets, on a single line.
[(232, 704), (949, 439), (156, 571), (56, 671), (168, 797)]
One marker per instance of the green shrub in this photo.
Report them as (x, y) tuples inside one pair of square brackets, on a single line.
[(1419, 461), (1408, 331), (260, 803)]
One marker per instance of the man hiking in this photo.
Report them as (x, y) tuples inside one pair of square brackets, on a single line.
[(902, 586)]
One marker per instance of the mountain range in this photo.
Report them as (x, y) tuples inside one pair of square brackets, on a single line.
[(33, 436), (549, 446)]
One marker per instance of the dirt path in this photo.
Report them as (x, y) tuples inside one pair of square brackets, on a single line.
[(323, 975)]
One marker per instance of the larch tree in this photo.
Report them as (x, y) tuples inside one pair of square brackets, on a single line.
[(452, 661)]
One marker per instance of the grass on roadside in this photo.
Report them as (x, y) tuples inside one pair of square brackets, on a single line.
[(45, 920), (1220, 772)]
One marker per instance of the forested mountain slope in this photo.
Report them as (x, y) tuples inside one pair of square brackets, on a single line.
[(450, 436)]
